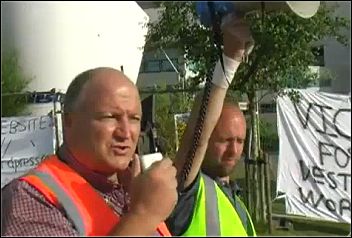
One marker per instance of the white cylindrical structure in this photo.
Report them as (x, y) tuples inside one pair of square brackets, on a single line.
[(56, 41)]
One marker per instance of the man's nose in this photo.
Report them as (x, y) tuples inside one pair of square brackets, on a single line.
[(233, 147), (123, 129)]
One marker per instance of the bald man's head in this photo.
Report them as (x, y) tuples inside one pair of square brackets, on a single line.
[(102, 119), (97, 76), (226, 142)]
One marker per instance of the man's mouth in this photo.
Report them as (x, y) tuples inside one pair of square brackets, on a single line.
[(120, 149), (229, 161)]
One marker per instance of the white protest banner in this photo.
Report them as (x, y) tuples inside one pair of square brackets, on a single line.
[(24, 142), (314, 168)]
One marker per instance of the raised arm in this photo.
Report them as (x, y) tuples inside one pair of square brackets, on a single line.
[(236, 35)]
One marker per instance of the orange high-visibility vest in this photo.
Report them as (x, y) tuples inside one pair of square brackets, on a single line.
[(84, 206)]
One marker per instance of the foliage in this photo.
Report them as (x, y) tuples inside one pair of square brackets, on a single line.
[(13, 83), (179, 28), (268, 136), (181, 128), (281, 55), (166, 106)]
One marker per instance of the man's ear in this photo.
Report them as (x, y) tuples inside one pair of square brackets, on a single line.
[(67, 120)]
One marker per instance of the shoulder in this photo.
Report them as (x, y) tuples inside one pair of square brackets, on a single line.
[(19, 189), (26, 212), (192, 190), (181, 217)]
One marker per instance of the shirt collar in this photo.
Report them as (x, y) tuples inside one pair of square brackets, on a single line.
[(231, 184), (98, 181)]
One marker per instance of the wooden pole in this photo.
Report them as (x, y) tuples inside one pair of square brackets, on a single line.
[(247, 172), (268, 192), (61, 103), (254, 155), (262, 188), (54, 117), (247, 183)]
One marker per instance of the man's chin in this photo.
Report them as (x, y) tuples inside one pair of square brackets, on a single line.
[(120, 165), (227, 170), (117, 163)]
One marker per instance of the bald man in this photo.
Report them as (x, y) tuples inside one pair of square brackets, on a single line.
[(91, 186), (210, 205), (226, 143)]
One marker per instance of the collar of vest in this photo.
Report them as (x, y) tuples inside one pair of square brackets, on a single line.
[(66, 189)]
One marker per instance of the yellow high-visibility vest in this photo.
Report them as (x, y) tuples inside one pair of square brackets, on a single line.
[(214, 214)]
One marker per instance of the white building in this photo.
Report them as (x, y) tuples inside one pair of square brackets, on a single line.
[(161, 67), (58, 40), (337, 57)]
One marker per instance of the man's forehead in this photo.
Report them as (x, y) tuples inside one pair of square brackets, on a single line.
[(229, 112), (111, 76), (109, 81), (108, 84), (230, 118)]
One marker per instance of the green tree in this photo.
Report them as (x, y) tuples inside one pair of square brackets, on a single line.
[(166, 106), (282, 53), (13, 84), (268, 136)]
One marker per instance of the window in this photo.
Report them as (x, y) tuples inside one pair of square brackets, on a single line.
[(141, 69), (152, 66), (156, 66), (166, 65)]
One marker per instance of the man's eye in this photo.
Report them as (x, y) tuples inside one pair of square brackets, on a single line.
[(136, 118), (107, 117), (222, 140)]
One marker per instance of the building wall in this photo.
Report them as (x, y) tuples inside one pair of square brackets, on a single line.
[(58, 40), (160, 79), (156, 68), (338, 57)]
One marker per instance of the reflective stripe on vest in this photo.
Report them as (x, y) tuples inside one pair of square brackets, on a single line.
[(241, 212), (65, 201), (212, 210), (62, 185), (214, 214), (247, 222)]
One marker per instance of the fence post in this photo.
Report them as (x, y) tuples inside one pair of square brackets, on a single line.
[(53, 114), (248, 171), (261, 170), (247, 184), (268, 192)]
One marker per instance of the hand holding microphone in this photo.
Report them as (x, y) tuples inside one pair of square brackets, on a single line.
[(153, 192)]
